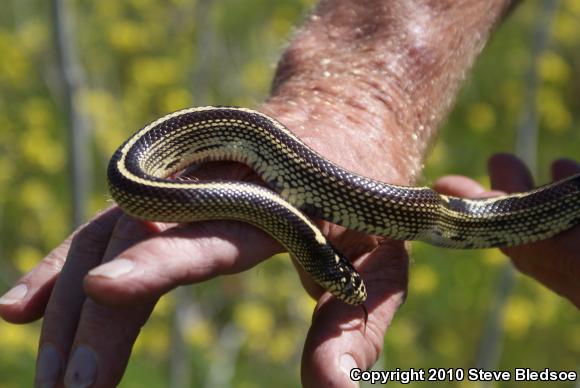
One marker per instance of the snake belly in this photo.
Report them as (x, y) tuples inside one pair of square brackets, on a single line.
[(299, 181)]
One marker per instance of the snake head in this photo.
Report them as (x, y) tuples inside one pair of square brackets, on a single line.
[(347, 284), (354, 291)]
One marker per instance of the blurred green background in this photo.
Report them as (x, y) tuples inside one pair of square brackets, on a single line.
[(139, 59)]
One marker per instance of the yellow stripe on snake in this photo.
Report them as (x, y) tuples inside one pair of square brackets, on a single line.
[(141, 181)]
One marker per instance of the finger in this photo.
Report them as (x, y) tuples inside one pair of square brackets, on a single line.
[(104, 339), (63, 309), (67, 302), (27, 300), (509, 174), (461, 186), (138, 275), (563, 168), (338, 340), (181, 255), (458, 185)]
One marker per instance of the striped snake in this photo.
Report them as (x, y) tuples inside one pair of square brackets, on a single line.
[(142, 181)]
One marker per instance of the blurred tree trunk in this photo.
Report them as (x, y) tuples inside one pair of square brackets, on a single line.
[(72, 76)]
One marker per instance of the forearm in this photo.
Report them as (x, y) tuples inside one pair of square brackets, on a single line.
[(367, 82)]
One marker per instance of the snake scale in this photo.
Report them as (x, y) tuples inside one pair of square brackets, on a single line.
[(299, 181)]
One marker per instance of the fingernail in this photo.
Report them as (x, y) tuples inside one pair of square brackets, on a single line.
[(48, 367), (14, 295), (82, 368), (114, 269), (347, 364)]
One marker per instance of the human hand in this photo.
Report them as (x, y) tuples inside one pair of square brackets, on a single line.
[(365, 83), (94, 333), (554, 262)]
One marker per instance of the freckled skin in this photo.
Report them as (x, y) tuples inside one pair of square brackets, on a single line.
[(377, 85)]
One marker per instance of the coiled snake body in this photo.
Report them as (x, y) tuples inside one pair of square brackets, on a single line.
[(140, 182)]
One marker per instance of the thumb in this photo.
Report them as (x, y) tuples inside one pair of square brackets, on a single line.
[(509, 173)]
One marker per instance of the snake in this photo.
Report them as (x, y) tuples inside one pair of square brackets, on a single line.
[(300, 184)]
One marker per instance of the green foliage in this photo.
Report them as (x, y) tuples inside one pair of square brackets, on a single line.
[(143, 58)]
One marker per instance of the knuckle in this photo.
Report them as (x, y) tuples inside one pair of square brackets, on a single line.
[(131, 229), (374, 338), (54, 261), (94, 235), (56, 312)]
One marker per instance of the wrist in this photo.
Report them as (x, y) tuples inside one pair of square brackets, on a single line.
[(364, 139), (366, 83)]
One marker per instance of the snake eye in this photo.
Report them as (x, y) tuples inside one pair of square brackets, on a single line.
[(348, 289)]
